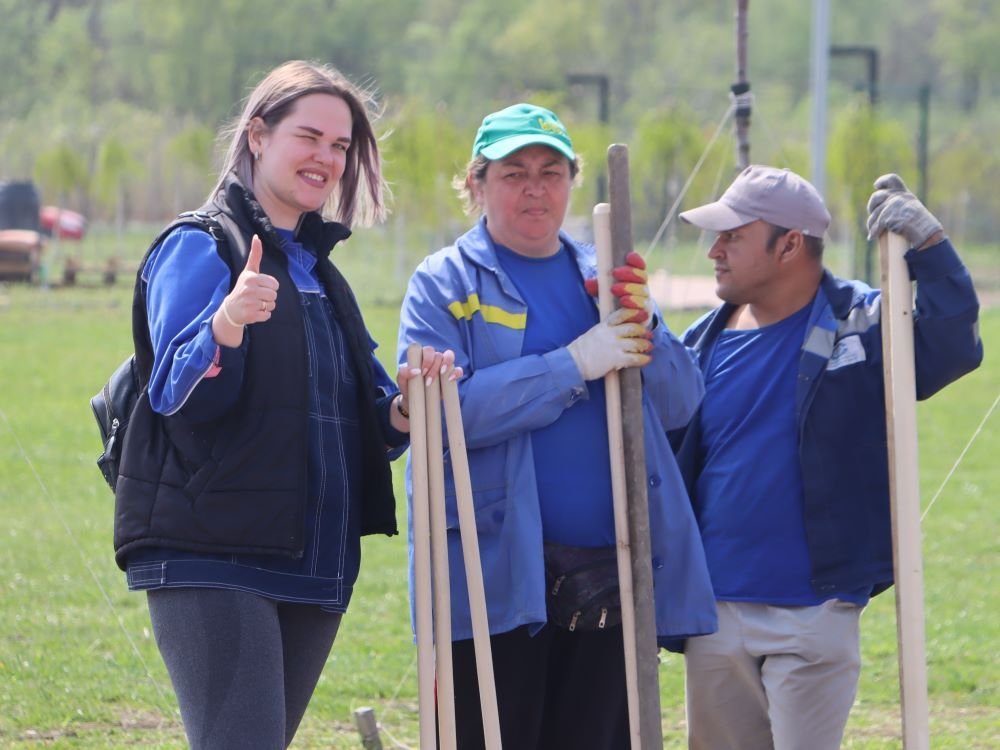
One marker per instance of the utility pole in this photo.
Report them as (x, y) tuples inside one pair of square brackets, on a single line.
[(818, 76), (741, 89)]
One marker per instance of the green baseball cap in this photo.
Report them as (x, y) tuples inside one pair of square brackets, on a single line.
[(518, 126)]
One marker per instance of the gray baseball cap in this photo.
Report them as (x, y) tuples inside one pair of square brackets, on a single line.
[(777, 196)]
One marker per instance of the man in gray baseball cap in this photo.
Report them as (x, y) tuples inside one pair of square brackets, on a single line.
[(786, 460)]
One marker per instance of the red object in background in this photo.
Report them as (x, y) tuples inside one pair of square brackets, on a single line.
[(70, 225)]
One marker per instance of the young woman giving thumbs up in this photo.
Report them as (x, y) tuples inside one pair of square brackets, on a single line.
[(241, 514)]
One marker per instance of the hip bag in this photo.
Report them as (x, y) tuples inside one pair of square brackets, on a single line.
[(581, 587)]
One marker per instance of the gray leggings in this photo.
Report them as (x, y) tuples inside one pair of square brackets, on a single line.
[(243, 667)]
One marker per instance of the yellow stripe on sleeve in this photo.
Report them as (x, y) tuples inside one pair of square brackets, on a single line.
[(491, 313), (465, 310)]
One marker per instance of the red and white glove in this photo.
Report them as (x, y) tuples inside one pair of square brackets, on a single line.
[(631, 289), (612, 344)]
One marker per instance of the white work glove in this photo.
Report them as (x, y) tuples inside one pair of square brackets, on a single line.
[(893, 208), (611, 345)]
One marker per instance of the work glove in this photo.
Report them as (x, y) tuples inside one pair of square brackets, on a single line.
[(610, 345), (631, 289), (893, 208)]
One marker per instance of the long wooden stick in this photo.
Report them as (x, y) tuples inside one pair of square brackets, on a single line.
[(904, 487), (473, 565), (439, 566), (619, 488), (650, 729), (421, 550)]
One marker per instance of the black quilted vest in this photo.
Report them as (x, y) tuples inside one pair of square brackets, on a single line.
[(237, 484)]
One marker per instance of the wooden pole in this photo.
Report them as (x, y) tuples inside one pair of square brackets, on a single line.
[(441, 584), (423, 615), (650, 729), (473, 566), (904, 487), (619, 488)]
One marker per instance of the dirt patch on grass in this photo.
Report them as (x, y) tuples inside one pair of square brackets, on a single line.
[(132, 728)]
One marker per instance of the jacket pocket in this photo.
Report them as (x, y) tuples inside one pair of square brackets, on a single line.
[(489, 507)]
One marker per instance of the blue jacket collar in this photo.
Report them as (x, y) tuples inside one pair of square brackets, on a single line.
[(841, 294), (478, 247)]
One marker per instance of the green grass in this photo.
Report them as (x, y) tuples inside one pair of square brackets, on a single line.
[(79, 668)]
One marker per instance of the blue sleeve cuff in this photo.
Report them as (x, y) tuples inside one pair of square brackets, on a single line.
[(395, 440), (934, 262)]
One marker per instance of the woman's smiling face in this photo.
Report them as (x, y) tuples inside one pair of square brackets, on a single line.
[(299, 162)]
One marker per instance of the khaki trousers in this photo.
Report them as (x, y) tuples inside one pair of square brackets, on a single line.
[(773, 678)]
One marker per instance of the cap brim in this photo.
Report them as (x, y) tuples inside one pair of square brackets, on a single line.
[(507, 146), (716, 217)]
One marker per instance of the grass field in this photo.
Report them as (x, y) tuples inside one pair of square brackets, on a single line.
[(79, 668)]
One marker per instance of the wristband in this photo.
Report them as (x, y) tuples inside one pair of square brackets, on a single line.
[(225, 313)]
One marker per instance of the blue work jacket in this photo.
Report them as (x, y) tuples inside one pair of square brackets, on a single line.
[(460, 298), (840, 408)]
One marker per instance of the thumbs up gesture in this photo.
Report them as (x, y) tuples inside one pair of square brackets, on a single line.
[(255, 294), (251, 301)]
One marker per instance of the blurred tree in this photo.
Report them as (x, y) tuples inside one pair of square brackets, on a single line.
[(67, 62), (967, 43), (590, 140), (363, 38), (61, 171), (189, 165), (959, 174), (422, 152), (73, 68), (23, 24), (457, 62), (529, 53), (116, 167), (668, 143), (863, 145)]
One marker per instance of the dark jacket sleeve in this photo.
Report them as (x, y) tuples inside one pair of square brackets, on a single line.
[(946, 338)]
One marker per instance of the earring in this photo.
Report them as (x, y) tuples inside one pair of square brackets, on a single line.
[(256, 155)]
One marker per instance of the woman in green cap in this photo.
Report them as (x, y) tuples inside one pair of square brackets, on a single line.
[(509, 298)]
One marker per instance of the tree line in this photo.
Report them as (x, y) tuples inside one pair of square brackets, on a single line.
[(111, 106)]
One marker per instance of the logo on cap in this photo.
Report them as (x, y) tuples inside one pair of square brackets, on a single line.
[(521, 125)]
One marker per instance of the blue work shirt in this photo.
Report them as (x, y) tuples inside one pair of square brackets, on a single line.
[(574, 475)]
